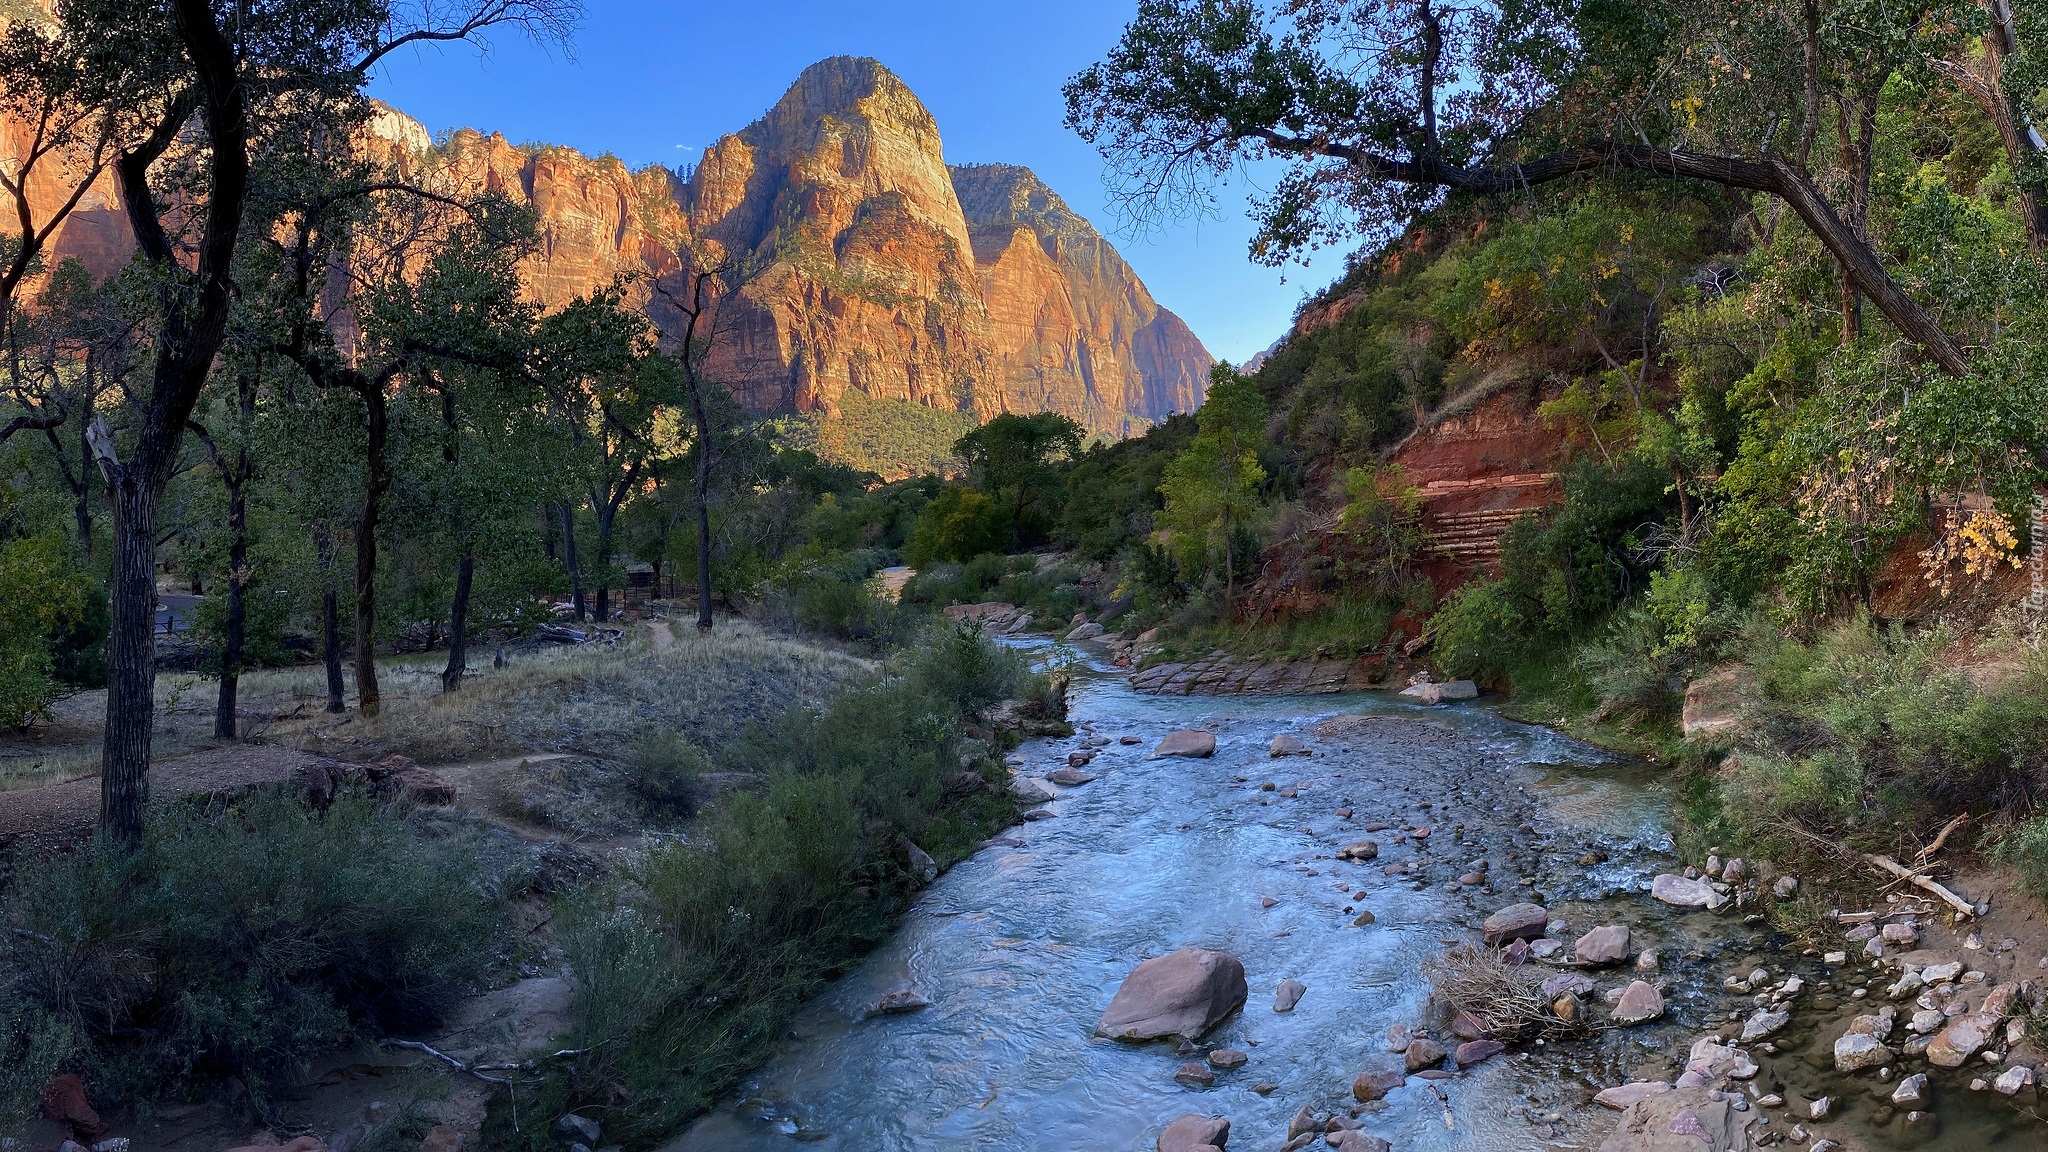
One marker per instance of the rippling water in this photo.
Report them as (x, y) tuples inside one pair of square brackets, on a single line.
[(1020, 948)]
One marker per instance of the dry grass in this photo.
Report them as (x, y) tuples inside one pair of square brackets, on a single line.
[(593, 701), (1506, 998)]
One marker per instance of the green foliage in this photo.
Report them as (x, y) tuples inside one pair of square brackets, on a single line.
[(239, 941), (1111, 493), (2025, 847), (1865, 732), (690, 969), (43, 604), (833, 594), (959, 524), (668, 770), (1213, 489), (891, 438), (1381, 532), (1015, 460)]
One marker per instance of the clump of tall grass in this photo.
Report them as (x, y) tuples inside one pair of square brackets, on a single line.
[(688, 967), (240, 940), (1869, 733), (705, 687)]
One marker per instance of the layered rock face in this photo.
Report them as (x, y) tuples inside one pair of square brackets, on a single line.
[(885, 272), (866, 279), (1076, 330), (869, 266)]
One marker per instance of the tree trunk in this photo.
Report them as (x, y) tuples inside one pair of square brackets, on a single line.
[(569, 559), (1985, 84), (607, 515), (81, 508), (131, 661), (237, 608), (458, 625), (378, 479), (702, 498), (330, 620), (330, 637)]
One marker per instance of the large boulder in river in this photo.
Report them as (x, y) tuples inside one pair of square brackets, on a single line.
[(1186, 742), (1965, 1035), (1192, 1131), (1180, 994), (1683, 1120), (1607, 944), (1686, 893), (1515, 922)]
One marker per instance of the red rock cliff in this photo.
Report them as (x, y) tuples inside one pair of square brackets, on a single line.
[(871, 265)]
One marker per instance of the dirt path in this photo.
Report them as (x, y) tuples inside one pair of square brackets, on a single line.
[(56, 814)]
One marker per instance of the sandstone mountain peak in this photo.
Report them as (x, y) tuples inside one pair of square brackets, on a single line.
[(873, 268)]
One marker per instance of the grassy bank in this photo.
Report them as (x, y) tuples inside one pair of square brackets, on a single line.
[(689, 964), (1856, 735), (239, 942)]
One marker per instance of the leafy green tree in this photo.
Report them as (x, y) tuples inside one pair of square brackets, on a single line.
[(959, 524), (1381, 109), (613, 389), (191, 95), (1016, 460), (1213, 490)]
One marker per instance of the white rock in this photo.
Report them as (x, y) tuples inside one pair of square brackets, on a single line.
[(2013, 1079), (1911, 1092), (1684, 893), (1859, 1051)]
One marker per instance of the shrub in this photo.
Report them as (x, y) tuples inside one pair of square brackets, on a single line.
[(688, 969), (239, 941), (2025, 847), (959, 523), (1865, 729), (668, 770)]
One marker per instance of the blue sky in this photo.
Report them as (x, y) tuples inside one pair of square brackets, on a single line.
[(654, 81)]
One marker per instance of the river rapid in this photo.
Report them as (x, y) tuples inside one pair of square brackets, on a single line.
[(1021, 947)]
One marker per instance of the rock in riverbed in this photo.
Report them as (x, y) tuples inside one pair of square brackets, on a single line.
[(1684, 1120), (1515, 922), (1360, 850), (1624, 1096), (1684, 893), (1288, 995), (1191, 1131), (1422, 1054), (1607, 944), (1639, 1002), (1285, 745), (1965, 1035), (1371, 1086), (1858, 1051), (1180, 994), (1190, 742), (898, 1002), (1069, 777)]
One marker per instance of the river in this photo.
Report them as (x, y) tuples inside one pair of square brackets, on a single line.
[(1020, 948)]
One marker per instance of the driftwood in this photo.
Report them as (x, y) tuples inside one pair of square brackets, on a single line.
[(1942, 838), (1887, 864)]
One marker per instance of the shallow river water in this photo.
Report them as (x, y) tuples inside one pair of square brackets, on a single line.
[(1020, 948)]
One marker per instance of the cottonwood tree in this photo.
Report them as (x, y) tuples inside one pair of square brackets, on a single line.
[(1213, 490), (696, 304), (181, 99), (601, 366), (1379, 108), (422, 282), (2000, 72), (1016, 459)]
